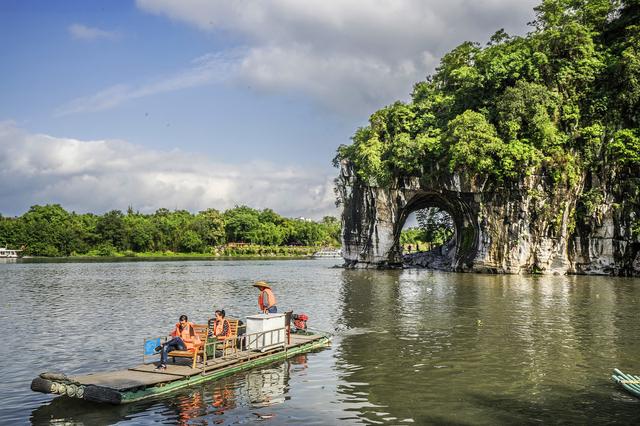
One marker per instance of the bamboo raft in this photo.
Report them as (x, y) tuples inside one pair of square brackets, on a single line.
[(628, 382), (144, 382)]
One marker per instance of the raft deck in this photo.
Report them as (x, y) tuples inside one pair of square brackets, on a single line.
[(144, 381)]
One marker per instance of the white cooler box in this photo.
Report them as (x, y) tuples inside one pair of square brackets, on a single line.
[(263, 323)]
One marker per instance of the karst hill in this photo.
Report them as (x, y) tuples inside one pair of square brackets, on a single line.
[(531, 144)]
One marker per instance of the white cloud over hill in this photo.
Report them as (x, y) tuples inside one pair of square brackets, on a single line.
[(351, 55), (96, 176)]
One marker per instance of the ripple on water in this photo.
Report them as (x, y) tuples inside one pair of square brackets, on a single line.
[(418, 347)]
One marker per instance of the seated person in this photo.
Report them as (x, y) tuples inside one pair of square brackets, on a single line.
[(184, 338), (219, 329)]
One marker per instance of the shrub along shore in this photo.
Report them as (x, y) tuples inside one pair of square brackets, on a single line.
[(51, 231), (233, 250)]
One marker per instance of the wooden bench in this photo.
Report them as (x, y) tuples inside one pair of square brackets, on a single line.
[(228, 344), (202, 330), (231, 342)]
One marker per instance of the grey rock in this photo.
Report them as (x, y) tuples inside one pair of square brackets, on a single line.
[(531, 226)]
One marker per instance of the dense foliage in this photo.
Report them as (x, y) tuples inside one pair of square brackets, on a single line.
[(52, 231), (559, 101), (435, 227)]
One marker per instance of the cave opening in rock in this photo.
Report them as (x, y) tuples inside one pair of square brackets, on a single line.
[(429, 231), (426, 229), (427, 238)]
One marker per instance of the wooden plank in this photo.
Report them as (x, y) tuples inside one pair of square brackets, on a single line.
[(172, 370), (124, 379), (297, 339), (146, 375)]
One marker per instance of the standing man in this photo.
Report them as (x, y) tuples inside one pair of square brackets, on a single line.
[(266, 300)]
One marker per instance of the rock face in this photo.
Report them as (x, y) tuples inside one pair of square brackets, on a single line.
[(528, 227)]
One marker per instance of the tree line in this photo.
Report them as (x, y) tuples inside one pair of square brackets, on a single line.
[(50, 230), (561, 101)]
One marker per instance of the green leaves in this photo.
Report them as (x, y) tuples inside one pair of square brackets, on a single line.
[(473, 143), (529, 112), (52, 231), (625, 147), (547, 100)]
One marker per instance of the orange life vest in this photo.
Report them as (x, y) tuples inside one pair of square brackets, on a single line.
[(218, 329), (271, 299), (188, 335)]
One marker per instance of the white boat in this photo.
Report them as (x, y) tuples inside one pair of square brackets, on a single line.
[(6, 253), (334, 253)]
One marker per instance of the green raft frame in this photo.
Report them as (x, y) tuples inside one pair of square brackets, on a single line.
[(120, 387), (628, 382)]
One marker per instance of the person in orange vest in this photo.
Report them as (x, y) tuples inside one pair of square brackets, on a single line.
[(184, 338), (266, 300), (220, 329)]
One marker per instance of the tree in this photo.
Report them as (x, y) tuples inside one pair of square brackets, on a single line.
[(473, 144), (268, 234), (240, 223), (436, 225), (139, 232), (269, 216), (190, 242), (302, 232), (110, 228), (209, 225), (46, 230), (333, 230)]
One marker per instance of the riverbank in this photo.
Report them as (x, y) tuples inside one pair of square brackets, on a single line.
[(232, 251)]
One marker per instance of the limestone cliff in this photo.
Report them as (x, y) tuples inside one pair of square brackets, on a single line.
[(531, 143), (525, 228)]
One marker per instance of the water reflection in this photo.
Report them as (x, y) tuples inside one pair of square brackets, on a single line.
[(411, 346), (436, 349)]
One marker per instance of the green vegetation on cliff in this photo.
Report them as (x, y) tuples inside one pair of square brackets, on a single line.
[(561, 101), (52, 231)]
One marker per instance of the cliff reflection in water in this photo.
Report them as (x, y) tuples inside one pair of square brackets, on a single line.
[(438, 347)]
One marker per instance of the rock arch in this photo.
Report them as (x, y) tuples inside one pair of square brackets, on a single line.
[(518, 229), (462, 213)]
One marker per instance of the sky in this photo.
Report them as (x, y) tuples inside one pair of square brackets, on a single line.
[(196, 104)]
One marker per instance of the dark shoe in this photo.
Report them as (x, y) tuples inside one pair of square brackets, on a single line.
[(161, 367), (158, 348)]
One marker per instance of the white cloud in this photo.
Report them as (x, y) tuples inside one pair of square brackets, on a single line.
[(102, 175), (353, 56), (204, 70), (82, 32), (341, 81)]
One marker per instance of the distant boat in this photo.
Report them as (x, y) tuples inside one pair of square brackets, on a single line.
[(332, 253), (6, 253)]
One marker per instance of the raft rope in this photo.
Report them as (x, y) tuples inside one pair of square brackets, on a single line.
[(630, 382)]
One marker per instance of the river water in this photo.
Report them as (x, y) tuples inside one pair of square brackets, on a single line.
[(410, 347)]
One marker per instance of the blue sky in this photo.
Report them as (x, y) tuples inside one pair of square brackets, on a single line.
[(208, 103)]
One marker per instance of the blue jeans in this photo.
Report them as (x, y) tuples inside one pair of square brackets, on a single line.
[(272, 310), (174, 344)]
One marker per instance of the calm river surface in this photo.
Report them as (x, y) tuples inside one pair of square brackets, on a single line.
[(410, 347)]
